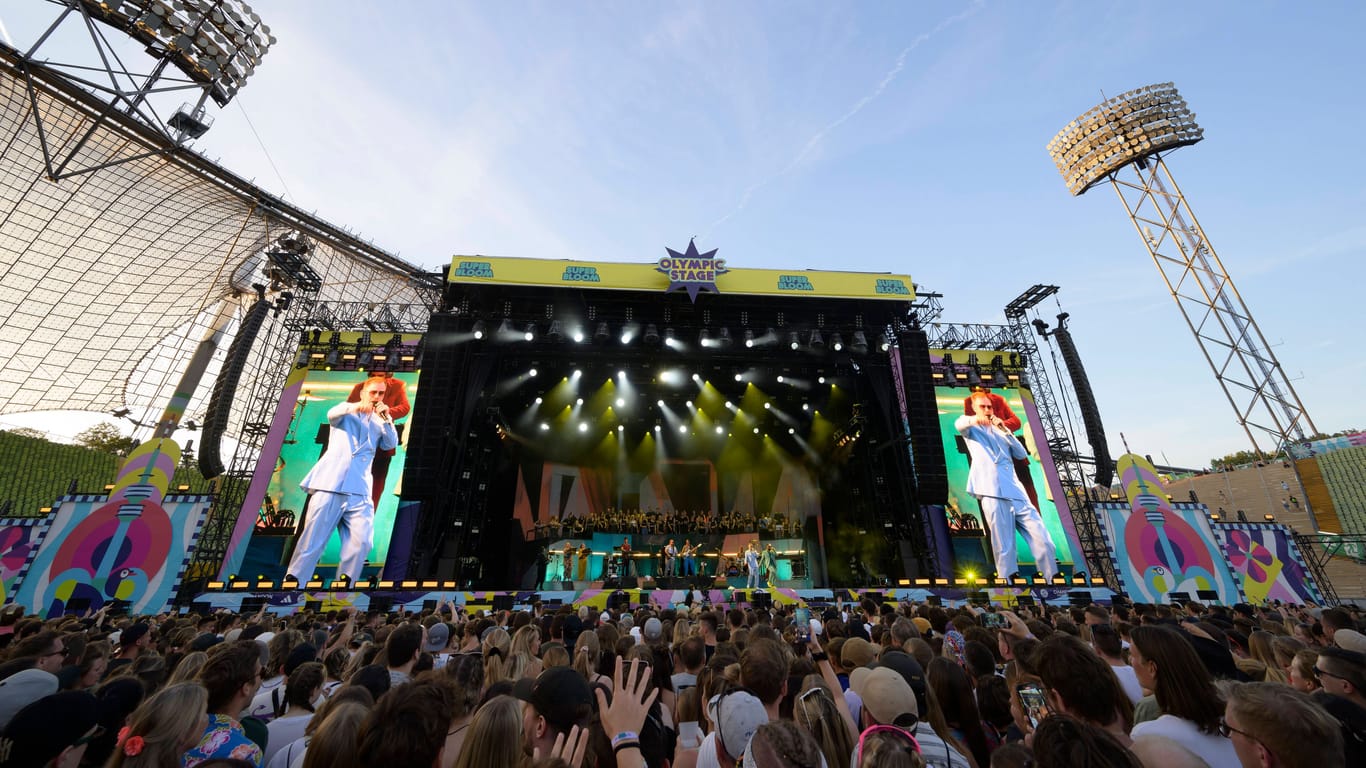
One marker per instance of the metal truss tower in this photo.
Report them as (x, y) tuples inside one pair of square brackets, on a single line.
[(1060, 434), (1122, 141)]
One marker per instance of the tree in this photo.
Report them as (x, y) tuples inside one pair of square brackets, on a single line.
[(36, 434), (107, 438)]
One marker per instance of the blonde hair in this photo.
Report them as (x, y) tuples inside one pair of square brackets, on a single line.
[(1260, 645), (587, 651), (335, 741), (682, 629), (495, 736), (164, 723), (819, 716), (188, 668), (497, 657)]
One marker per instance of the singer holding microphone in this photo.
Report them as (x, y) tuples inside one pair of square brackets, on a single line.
[(340, 484), (1005, 503)]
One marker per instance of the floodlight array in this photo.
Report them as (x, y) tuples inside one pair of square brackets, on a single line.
[(215, 42), (1122, 130)]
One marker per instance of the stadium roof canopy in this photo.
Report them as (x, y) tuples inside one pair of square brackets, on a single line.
[(110, 278)]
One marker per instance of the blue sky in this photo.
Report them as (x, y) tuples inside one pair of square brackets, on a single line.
[(901, 137)]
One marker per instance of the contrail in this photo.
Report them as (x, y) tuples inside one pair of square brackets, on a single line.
[(820, 135)]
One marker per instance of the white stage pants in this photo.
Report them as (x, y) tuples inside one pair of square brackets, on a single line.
[(353, 516), (1005, 516)]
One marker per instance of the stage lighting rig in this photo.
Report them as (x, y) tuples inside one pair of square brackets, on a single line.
[(215, 44)]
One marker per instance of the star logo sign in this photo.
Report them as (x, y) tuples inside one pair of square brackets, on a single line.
[(692, 271)]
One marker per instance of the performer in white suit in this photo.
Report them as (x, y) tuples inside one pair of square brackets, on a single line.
[(341, 484), (1005, 504)]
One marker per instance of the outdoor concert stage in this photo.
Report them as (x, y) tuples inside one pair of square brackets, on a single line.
[(572, 404), (555, 404)]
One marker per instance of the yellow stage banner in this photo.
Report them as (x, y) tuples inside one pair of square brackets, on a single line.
[(656, 277)]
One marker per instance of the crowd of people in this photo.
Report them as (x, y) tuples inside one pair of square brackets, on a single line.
[(662, 520), (869, 684)]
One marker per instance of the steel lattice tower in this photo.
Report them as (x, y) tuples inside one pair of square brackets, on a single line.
[(1122, 141)]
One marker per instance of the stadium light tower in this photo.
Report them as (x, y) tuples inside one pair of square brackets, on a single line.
[(207, 48), (1122, 141)]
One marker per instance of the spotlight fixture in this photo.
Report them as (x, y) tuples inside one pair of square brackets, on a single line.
[(621, 428), (532, 373), (651, 334), (817, 340), (556, 331), (720, 429), (886, 342), (860, 343), (621, 402), (669, 339), (683, 429), (723, 337), (780, 378), (578, 336), (704, 337), (530, 333), (333, 357), (739, 377), (837, 342), (749, 340), (603, 333), (479, 328), (793, 341), (583, 426), (505, 330)]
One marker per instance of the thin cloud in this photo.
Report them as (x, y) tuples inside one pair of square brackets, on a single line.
[(820, 135)]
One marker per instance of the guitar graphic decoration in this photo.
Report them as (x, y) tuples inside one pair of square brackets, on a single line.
[(121, 548), (1169, 552)]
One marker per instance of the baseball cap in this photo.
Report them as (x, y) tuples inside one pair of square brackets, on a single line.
[(885, 694), (40, 731), (653, 628), (133, 634), (560, 695), (1350, 639), (904, 664), (22, 689), (857, 652), (438, 635), (737, 714)]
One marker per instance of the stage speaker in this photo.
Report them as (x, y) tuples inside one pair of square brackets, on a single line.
[(316, 606), (1025, 600), (566, 586), (629, 582), (1206, 594), (1178, 598), (215, 422), (502, 602), (251, 605), (760, 599), (382, 604), (1079, 599), (619, 600), (980, 598), (922, 411), (1119, 601), (934, 600), (203, 609)]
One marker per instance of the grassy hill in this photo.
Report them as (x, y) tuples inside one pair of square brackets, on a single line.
[(35, 472)]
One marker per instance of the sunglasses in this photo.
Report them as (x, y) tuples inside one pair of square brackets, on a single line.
[(1319, 673), (94, 733), (892, 729), (1227, 730)]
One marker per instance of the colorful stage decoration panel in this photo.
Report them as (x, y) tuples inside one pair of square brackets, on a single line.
[(1268, 563), (1036, 474), (100, 549), (20, 540), (275, 506), (1160, 548)]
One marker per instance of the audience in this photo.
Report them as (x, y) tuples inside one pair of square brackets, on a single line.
[(689, 685)]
